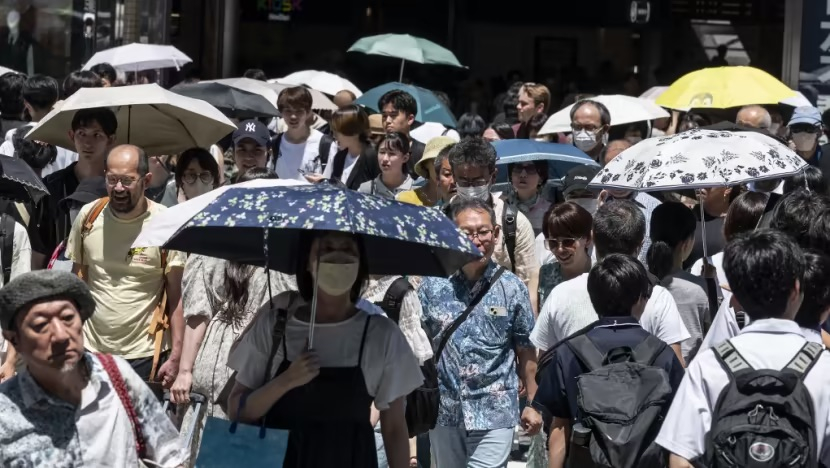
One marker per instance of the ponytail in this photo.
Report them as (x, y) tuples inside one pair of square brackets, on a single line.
[(660, 258), (671, 225)]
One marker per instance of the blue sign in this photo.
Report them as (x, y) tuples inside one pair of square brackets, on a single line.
[(814, 76)]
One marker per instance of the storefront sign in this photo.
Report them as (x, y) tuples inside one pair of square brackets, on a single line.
[(814, 79), (279, 10)]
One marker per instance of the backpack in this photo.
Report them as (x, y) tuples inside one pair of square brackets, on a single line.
[(764, 417), (323, 151), (421, 403), (7, 224), (622, 433), (508, 224)]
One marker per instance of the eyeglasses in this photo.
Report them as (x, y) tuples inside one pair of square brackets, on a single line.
[(471, 183), (482, 234), (805, 128), (126, 181), (205, 176), (564, 242), (588, 128)]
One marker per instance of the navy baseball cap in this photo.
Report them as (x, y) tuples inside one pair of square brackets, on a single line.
[(253, 129), (578, 178), (808, 115)]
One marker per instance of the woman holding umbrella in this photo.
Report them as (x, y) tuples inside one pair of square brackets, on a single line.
[(323, 395)]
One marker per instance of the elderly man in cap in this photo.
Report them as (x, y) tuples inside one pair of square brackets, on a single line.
[(68, 407)]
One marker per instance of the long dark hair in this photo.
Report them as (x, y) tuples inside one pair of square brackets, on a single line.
[(237, 275), (672, 223)]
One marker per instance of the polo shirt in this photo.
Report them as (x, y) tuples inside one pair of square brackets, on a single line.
[(765, 344), (558, 390)]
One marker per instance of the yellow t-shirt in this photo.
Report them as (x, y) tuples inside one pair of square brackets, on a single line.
[(413, 197), (125, 282)]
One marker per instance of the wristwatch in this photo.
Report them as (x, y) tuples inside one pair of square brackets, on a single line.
[(535, 405)]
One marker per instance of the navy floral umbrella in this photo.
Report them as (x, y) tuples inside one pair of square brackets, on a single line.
[(399, 238)]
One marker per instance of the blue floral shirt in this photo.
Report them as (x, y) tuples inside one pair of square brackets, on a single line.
[(477, 370)]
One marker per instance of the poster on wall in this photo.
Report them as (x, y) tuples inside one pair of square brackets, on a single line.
[(814, 76)]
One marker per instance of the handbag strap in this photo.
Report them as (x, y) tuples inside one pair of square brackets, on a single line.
[(109, 365), (485, 286)]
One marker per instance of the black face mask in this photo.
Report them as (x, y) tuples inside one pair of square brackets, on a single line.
[(36, 155)]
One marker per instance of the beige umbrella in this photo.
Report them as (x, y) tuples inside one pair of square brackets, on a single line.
[(251, 86), (160, 121), (319, 101)]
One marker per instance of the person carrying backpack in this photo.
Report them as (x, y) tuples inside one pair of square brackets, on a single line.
[(761, 398), (608, 386)]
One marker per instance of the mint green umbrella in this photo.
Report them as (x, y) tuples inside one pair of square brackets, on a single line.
[(406, 47)]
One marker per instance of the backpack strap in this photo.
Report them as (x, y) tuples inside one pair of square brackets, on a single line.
[(805, 359), (324, 150), (7, 253), (120, 387), (586, 351), (508, 223), (275, 151), (393, 299), (89, 221), (731, 360), (160, 321), (649, 350)]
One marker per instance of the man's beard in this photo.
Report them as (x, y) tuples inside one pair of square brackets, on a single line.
[(125, 205)]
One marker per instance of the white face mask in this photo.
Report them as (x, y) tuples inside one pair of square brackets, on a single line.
[(804, 141), (585, 140), (337, 272), (590, 204), (481, 192), (196, 188)]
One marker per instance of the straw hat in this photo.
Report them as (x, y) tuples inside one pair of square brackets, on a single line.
[(431, 151)]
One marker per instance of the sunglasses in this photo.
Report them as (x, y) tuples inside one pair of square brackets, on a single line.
[(564, 242)]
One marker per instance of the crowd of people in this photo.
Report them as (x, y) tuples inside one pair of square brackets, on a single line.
[(589, 309)]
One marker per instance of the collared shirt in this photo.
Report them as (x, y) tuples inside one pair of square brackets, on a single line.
[(377, 187), (765, 344), (558, 389), (37, 429), (477, 370)]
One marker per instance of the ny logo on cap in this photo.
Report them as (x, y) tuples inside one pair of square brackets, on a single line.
[(250, 127)]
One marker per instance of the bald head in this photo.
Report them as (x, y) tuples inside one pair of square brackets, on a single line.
[(344, 98), (614, 148), (128, 157), (754, 117)]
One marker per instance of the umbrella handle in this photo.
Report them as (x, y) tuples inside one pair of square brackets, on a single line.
[(702, 226), (400, 78)]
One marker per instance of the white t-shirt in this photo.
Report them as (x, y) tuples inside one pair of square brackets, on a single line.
[(765, 344), (21, 263), (63, 159), (348, 165), (294, 157), (568, 309), (389, 366)]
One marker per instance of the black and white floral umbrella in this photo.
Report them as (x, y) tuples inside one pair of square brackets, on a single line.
[(698, 159)]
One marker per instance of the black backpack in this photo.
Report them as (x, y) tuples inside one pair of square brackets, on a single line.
[(422, 403), (622, 400), (765, 417)]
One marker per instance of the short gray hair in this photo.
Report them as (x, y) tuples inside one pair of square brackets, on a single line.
[(604, 115)]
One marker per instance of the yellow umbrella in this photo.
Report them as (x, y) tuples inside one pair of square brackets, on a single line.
[(724, 87)]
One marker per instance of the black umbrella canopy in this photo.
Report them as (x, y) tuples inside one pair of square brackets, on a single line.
[(18, 182), (233, 102)]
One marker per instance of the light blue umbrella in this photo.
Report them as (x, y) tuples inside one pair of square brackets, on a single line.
[(560, 157), (430, 108), (406, 47)]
